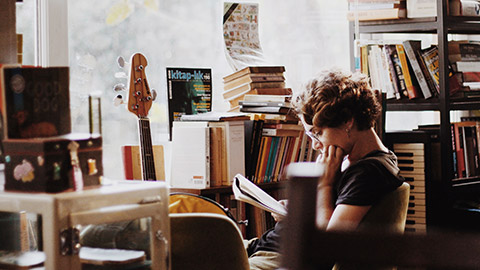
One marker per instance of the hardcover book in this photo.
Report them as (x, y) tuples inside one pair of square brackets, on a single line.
[(412, 90), (377, 14), (190, 155), (463, 50), (254, 70), (242, 89), (253, 78), (390, 50), (430, 58), (189, 92), (234, 138), (265, 109), (402, 86)]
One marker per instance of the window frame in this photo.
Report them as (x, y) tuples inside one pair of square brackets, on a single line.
[(51, 33)]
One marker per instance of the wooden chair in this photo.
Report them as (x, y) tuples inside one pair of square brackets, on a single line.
[(205, 241), (306, 247)]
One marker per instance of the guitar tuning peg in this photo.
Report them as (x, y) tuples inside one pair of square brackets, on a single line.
[(119, 87), (121, 75), (118, 100), (121, 61), (154, 94)]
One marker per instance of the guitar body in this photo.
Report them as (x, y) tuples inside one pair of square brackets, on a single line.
[(140, 99)]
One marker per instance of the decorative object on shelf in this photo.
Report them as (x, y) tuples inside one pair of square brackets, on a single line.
[(44, 164)]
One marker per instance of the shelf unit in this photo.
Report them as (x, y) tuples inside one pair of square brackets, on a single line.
[(441, 26)]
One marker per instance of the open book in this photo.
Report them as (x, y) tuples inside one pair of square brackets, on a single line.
[(246, 191)]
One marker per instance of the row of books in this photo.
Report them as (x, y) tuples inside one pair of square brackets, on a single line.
[(466, 153), (273, 147), (254, 80), (371, 10), (208, 153), (401, 69)]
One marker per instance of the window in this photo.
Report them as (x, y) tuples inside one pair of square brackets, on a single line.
[(302, 35)]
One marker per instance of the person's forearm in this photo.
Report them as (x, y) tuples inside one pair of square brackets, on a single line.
[(325, 205)]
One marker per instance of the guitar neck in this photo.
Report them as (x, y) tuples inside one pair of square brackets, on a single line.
[(146, 147)]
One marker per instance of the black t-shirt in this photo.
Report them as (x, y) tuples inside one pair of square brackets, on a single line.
[(362, 183), (369, 179)]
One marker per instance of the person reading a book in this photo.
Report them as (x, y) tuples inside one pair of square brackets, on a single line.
[(338, 110)]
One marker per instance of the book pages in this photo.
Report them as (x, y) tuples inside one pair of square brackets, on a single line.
[(246, 191)]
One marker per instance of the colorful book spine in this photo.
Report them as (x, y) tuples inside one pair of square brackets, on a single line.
[(396, 87), (412, 47), (411, 89)]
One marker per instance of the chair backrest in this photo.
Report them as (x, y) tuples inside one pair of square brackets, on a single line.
[(390, 214), (204, 241), (181, 202)]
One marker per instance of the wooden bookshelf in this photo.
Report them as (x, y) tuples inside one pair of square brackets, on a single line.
[(442, 27)]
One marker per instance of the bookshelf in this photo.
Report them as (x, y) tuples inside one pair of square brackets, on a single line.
[(449, 189)]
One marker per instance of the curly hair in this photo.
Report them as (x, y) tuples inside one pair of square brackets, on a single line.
[(336, 96)]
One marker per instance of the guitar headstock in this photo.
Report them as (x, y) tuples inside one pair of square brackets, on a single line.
[(140, 97)]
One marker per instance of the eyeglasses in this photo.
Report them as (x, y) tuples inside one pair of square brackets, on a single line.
[(312, 135)]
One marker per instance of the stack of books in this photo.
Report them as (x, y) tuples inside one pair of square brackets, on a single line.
[(368, 10), (464, 57), (272, 107), (258, 80)]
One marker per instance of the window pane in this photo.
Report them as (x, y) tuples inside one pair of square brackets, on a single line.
[(26, 11)]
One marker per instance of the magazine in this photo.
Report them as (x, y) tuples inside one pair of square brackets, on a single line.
[(246, 191), (189, 92)]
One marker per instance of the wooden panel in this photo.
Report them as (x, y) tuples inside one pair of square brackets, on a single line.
[(8, 42)]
